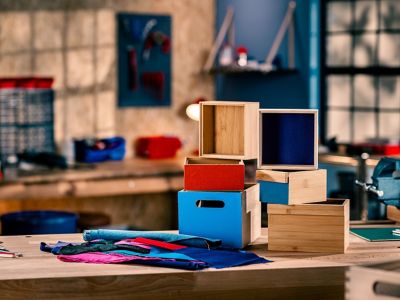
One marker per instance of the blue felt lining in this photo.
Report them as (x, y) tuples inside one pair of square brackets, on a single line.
[(287, 139)]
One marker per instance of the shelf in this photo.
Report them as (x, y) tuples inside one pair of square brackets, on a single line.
[(234, 69)]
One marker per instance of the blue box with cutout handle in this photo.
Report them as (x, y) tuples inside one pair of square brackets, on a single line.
[(234, 217)]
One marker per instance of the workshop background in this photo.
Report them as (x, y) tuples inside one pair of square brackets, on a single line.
[(342, 57)]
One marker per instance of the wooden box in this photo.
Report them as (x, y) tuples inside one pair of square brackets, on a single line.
[(314, 227), (379, 281), (209, 174), (288, 139), (292, 187), (229, 130), (233, 217)]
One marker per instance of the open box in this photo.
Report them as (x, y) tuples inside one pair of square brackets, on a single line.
[(228, 130), (288, 139), (234, 217), (210, 174), (313, 227)]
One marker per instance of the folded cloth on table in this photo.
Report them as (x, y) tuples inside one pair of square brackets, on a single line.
[(182, 239), (93, 246), (113, 258), (217, 258)]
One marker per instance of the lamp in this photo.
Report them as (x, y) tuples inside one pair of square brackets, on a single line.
[(193, 109)]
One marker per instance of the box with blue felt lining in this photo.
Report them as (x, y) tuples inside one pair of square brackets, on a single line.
[(288, 139), (234, 217), (292, 187)]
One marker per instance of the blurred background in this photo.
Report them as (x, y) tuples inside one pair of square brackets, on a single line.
[(99, 98)]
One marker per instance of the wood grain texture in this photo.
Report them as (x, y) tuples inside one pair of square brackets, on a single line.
[(393, 213), (302, 228), (229, 129), (292, 275), (303, 186)]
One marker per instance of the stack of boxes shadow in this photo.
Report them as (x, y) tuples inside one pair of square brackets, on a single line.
[(218, 201)]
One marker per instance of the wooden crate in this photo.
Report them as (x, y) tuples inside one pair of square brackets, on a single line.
[(292, 187), (314, 227), (209, 174), (288, 139), (229, 130), (374, 282)]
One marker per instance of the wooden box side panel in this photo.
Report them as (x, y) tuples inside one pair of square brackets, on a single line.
[(273, 176), (229, 130), (207, 129), (306, 233), (307, 187), (325, 208), (251, 130)]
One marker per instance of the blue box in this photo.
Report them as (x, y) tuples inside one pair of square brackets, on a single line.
[(234, 217), (292, 187)]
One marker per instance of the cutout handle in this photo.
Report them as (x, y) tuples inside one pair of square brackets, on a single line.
[(387, 289), (210, 203)]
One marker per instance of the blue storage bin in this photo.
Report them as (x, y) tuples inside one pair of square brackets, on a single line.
[(38, 222), (115, 150), (234, 217)]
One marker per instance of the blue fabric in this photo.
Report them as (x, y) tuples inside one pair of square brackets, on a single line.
[(55, 248), (176, 264), (182, 239), (155, 252), (223, 258)]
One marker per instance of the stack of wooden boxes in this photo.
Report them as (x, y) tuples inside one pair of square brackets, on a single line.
[(217, 201), (300, 217)]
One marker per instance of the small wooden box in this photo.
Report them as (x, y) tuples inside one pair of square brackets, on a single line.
[(292, 187), (209, 174), (314, 227), (233, 217), (229, 130), (288, 139)]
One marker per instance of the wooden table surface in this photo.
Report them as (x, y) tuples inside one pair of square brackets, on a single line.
[(291, 275), (131, 176)]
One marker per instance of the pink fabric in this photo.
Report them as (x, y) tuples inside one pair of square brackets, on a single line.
[(105, 258)]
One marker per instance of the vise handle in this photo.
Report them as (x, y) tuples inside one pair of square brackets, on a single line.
[(369, 188)]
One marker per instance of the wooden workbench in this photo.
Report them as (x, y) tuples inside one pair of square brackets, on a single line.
[(136, 192), (133, 176), (293, 275)]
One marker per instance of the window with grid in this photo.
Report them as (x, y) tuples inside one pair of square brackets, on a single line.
[(361, 69)]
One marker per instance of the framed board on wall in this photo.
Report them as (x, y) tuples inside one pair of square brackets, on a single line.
[(144, 60)]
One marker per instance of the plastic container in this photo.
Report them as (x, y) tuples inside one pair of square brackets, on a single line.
[(38, 222), (114, 149)]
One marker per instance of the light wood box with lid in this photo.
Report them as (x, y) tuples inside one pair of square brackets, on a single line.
[(292, 187), (315, 227), (229, 129)]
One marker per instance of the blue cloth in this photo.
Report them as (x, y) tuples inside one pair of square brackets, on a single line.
[(177, 264), (55, 248), (182, 239), (223, 258)]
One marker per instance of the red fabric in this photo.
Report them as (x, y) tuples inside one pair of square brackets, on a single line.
[(159, 244), (157, 147), (214, 177)]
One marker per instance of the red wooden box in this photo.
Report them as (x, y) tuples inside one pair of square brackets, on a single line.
[(207, 174)]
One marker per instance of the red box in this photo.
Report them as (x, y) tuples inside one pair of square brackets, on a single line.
[(206, 174), (157, 147)]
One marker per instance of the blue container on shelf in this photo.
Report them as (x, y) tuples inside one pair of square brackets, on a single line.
[(114, 149), (38, 222)]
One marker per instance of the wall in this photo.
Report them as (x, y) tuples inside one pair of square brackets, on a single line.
[(74, 41), (256, 24)]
